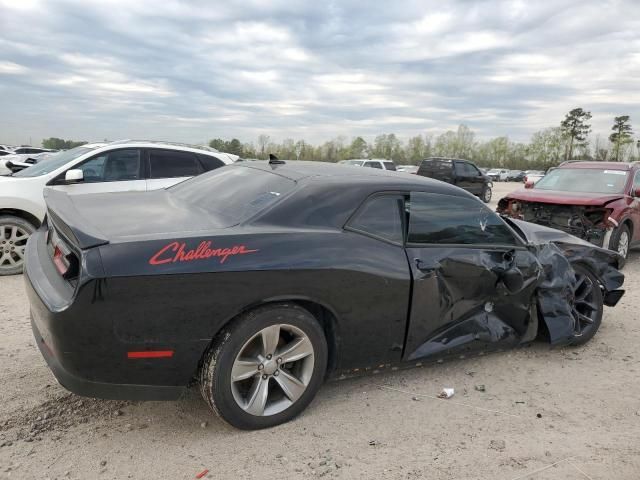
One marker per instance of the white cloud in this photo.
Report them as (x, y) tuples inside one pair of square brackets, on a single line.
[(10, 68), (194, 70)]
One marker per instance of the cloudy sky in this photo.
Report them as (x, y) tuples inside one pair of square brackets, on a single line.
[(191, 71)]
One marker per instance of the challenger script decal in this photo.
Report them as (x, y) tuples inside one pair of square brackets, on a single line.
[(177, 252)]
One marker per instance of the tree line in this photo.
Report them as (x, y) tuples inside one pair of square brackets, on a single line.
[(546, 148), (54, 143), (570, 140)]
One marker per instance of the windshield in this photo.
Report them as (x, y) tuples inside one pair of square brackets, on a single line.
[(234, 193), (586, 180), (55, 161)]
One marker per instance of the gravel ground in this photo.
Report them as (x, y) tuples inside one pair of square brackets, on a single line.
[(544, 413)]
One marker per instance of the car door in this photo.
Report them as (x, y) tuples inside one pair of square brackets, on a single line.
[(112, 171), (168, 167), (460, 254), (476, 179), (462, 179)]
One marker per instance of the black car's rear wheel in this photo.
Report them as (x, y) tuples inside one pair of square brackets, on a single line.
[(266, 367), (14, 233), (587, 306)]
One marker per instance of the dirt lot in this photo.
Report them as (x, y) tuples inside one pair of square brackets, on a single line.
[(577, 408)]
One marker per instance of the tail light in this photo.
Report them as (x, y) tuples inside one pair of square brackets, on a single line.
[(64, 259)]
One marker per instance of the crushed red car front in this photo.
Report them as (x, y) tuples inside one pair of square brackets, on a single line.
[(585, 215)]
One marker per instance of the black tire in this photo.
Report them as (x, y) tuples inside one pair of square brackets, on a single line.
[(583, 332), (614, 243), (10, 249), (215, 372), (486, 194)]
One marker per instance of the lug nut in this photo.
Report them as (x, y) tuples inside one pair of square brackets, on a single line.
[(269, 357), (275, 374), (279, 360), (264, 377), (260, 367)]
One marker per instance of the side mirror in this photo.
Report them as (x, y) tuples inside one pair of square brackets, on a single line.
[(528, 184), (513, 280), (74, 176)]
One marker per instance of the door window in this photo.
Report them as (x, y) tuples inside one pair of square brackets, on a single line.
[(460, 169), (636, 181), (390, 166), (172, 163), (380, 217), (449, 219), (471, 170), (114, 166), (373, 165)]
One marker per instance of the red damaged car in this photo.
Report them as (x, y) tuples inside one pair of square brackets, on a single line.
[(596, 201)]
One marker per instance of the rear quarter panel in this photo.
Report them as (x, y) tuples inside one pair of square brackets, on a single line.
[(364, 282)]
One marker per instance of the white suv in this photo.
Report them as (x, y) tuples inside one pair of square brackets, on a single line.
[(92, 168), (381, 164)]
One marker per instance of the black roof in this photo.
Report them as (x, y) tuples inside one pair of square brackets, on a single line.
[(333, 174)]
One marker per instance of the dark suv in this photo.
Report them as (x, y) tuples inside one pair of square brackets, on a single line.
[(461, 173)]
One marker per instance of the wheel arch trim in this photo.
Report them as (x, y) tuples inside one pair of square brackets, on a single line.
[(326, 316)]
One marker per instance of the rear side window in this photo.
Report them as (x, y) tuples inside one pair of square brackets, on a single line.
[(234, 194), (172, 163), (435, 168), (390, 166), (373, 165), (210, 162), (448, 219), (380, 217)]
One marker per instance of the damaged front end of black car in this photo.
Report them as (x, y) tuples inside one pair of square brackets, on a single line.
[(574, 275)]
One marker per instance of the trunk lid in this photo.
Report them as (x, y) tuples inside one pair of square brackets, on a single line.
[(97, 219)]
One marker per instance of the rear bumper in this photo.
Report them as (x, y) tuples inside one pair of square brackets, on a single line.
[(88, 388), (75, 341)]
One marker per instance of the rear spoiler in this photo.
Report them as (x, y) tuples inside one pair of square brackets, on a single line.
[(67, 220)]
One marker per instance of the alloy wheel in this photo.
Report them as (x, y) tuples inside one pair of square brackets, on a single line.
[(272, 370), (13, 241), (623, 244), (584, 308)]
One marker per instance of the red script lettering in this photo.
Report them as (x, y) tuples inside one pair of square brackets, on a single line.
[(177, 252)]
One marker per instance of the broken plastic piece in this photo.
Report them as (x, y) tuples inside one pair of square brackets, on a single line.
[(446, 393), (202, 473)]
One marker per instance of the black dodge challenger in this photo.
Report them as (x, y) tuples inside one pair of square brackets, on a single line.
[(260, 280)]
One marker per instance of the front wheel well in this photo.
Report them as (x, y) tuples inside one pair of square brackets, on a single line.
[(32, 219)]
